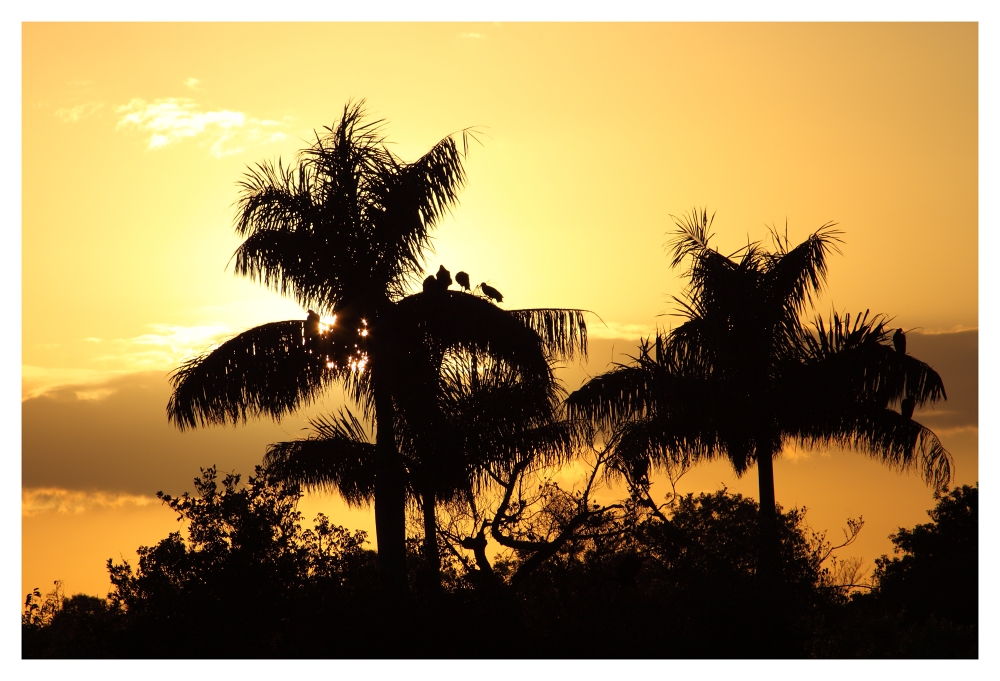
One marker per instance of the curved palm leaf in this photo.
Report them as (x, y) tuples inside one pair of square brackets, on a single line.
[(446, 320), (886, 436), (563, 331), (794, 277), (856, 360), (338, 456), (265, 371)]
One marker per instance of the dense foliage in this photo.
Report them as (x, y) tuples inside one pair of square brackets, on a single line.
[(245, 580)]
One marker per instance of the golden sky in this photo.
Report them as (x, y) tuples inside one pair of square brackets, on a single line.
[(593, 135)]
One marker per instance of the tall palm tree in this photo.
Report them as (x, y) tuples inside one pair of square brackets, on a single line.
[(345, 231), (743, 376)]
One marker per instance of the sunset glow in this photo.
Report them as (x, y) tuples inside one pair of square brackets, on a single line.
[(134, 137)]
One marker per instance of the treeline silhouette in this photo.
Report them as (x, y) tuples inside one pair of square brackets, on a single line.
[(456, 425), (248, 581)]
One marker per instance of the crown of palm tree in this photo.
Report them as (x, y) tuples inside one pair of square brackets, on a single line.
[(743, 375), (350, 220)]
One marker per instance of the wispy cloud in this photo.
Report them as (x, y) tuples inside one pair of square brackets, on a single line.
[(166, 347), (472, 36), (36, 381), (193, 83), (937, 331), (163, 349), (73, 114), (174, 119), (55, 500), (612, 330)]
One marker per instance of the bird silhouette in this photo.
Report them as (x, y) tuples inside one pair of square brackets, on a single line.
[(906, 408), (312, 330), (899, 341), (491, 292), (312, 319), (443, 278), (462, 279), (430, 284)]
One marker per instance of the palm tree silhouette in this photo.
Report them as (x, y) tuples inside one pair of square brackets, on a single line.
[(742, 376), (483, 415), (345, 232)]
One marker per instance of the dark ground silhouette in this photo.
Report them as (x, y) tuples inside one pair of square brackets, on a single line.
[(249, 582)]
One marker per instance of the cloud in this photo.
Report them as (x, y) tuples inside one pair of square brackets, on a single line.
[(611, 330), (960, 328), (37, 381), (955, 356), (166, 348), (75, 113), (177, 343), (163, 350), (174, 119), (193, 83), (36, 500), (123, 442), (473, 36)]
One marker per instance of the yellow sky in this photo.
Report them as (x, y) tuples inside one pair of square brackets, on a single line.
[(134, 135)]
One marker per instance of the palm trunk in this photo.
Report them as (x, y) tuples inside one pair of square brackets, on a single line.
[(390, 493), (768, 551), (776, 636), (432, 557)]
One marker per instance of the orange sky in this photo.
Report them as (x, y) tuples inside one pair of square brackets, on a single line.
[(134, 135)]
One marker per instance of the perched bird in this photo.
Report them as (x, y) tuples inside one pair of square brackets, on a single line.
[(491, 292), (430, 284), (443, 278), (462, 279), (312, 330), (312, 320), (899, 341), (906, 408)]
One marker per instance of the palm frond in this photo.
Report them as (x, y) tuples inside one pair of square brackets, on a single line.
[(451, 320), (563, 331), (645, 389), (888, 437), (794, 277), (265, 371), (349, 216), (339, 456), (855, 362), (418, 195), (663, 441), (692, 235)]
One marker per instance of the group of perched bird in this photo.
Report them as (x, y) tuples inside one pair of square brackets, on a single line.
[(442, 281)]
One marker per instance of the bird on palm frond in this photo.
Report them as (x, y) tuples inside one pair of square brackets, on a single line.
[(899, 341), (443, 278), (491, 292), (462, 279)]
